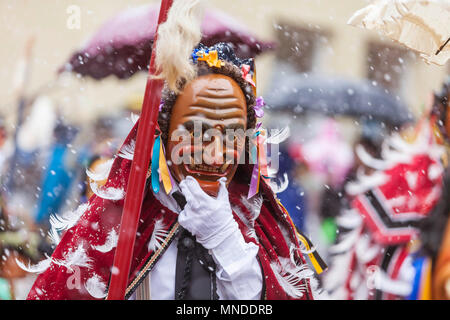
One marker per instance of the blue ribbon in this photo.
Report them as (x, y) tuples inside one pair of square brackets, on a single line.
[(155, 165), (254, 154), (418, 265)]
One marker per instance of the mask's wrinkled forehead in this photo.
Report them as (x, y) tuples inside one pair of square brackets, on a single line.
[(214, 99)]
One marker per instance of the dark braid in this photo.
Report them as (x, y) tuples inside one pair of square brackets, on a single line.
[(169, 97)]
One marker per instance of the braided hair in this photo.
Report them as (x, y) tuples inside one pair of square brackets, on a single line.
[(231, 68)]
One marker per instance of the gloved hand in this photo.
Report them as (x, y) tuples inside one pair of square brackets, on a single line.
[(209, 219)]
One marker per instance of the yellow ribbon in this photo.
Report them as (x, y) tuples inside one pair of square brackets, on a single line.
[(164, 171), (425, 286)]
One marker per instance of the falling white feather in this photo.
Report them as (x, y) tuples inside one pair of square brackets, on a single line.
[(69, 219), (281, 185), (290, 276), (278, 136), (101, 172), (37, 268), (110, 193), (159, 235), (306, 251), (127, 151), (75, 258), (110, 243), (254, 206), (54, 235), (96, 287)]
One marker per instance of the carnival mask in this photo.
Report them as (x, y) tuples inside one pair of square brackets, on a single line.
[(202, 141)]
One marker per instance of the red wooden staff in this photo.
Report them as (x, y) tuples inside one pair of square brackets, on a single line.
[(141, 161)]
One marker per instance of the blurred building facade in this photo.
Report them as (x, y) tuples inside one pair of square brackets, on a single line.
[(312, 34)]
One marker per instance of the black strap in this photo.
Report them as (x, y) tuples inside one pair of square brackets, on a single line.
[(195, 277)]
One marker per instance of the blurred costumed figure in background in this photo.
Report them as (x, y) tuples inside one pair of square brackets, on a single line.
[(327, 160), (213, 230), (59, 174), (379, 253), (293, 195), (436, 235)]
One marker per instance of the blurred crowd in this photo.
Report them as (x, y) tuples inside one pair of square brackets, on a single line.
[(360, 176)]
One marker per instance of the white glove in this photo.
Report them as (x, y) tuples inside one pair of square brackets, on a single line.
[(209, 219)]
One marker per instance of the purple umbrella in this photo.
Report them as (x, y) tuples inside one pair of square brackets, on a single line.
[(123, 45)]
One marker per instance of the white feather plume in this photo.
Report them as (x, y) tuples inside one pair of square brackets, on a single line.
[(159, 235), (177, 37), (96, 287), (110, 193), (110, 243), (127, 151), (101, 172)]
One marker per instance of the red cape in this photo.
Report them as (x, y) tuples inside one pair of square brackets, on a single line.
[(80, 271)]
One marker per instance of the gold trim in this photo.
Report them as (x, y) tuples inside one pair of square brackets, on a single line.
[(153, 258)]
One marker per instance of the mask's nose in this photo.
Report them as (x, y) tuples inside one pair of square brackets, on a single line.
[(213, 152)]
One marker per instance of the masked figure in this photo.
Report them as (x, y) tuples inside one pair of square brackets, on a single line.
[(437, 227), (210, 226)]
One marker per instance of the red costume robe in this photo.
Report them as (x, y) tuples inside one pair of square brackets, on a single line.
[(80, 267)]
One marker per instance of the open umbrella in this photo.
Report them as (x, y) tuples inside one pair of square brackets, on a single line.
[(123, 45), (337, 96), (421, 25)]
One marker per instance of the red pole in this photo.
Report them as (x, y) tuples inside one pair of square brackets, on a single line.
[(135, 189)]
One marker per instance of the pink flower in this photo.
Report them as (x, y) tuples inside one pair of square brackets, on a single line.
[(246, 74), (259, 112)]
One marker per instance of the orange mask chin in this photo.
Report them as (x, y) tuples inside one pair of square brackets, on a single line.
[(214, 102)]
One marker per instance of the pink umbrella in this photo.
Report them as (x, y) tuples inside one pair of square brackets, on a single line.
[(123, 45)]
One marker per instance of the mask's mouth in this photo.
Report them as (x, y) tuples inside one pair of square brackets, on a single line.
[(213, 170)]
